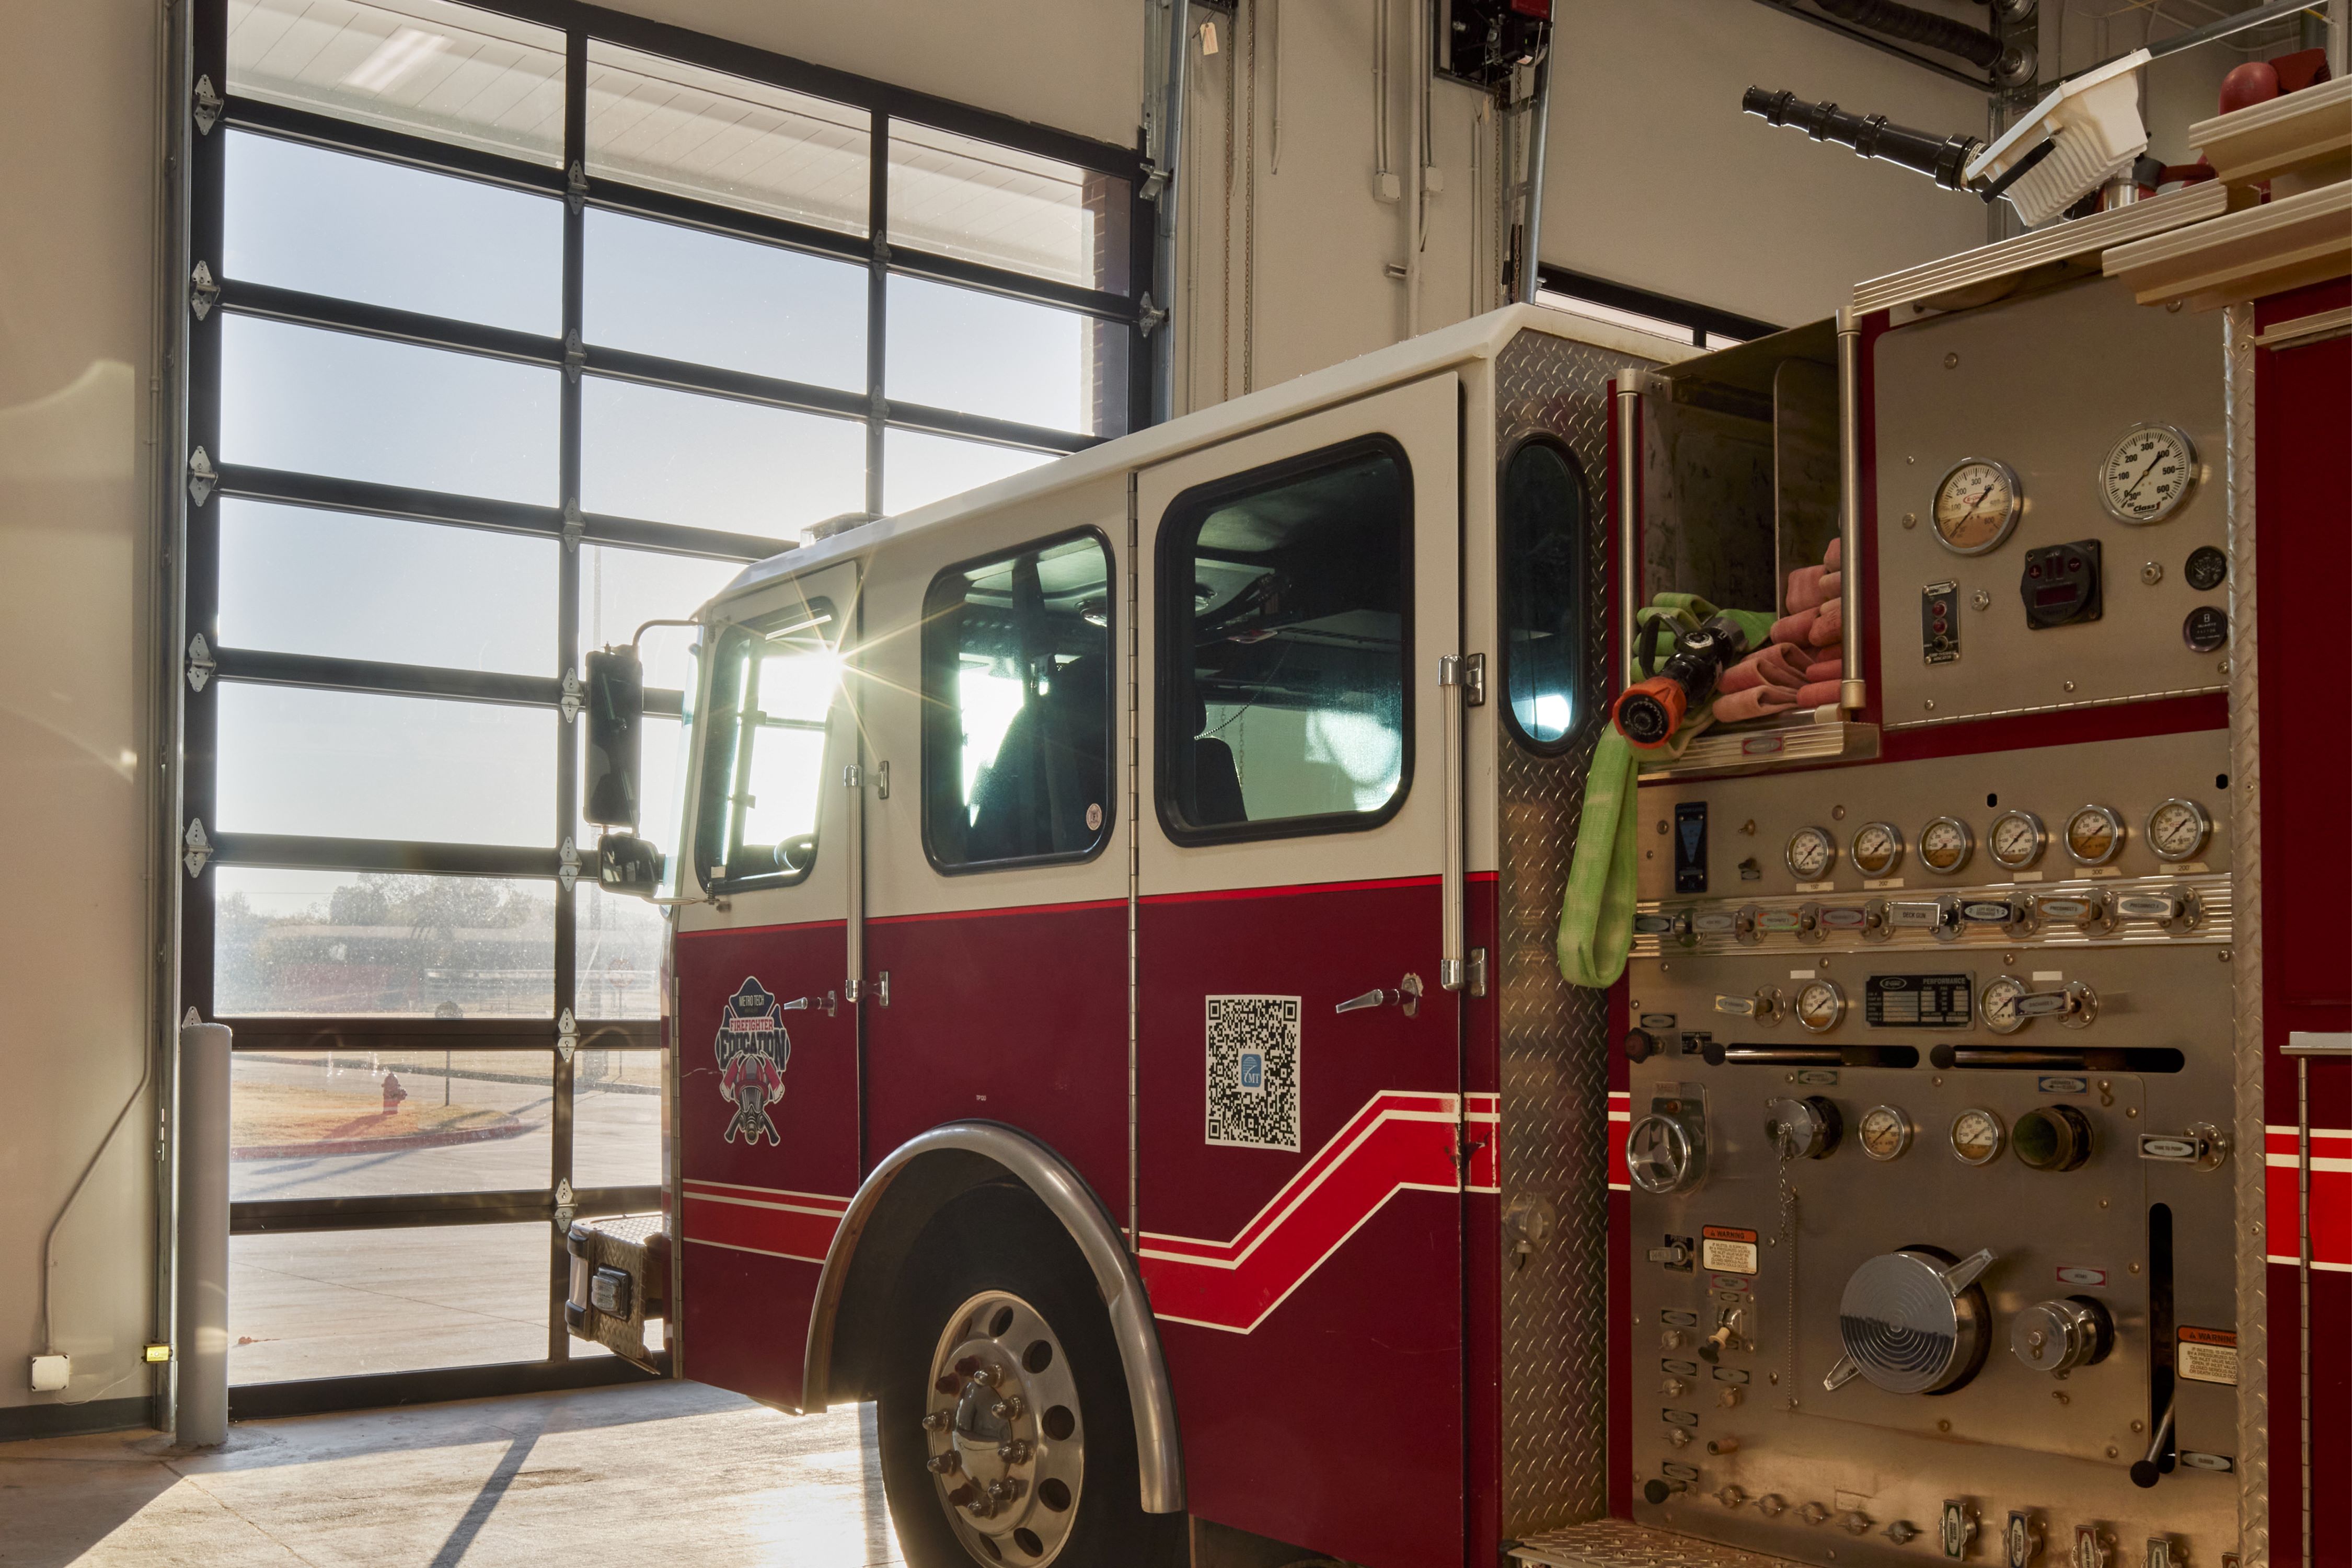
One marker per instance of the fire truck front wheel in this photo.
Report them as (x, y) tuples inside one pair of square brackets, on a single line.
[(1006, 1434)]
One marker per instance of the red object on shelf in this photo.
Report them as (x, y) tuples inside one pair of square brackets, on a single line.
[(2304, 67), (1541, 11), (2256, 81)]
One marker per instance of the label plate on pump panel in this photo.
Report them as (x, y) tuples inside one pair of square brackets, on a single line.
[(1918, 1001)]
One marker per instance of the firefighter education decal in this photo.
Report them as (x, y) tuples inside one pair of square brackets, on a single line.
[(1253, 1072), (752, 1050)]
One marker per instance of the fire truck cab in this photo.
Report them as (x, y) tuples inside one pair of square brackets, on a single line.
[(1115, 1009)]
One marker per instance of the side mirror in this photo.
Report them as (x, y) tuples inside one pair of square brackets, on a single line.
[(627, 864), (615, 703)]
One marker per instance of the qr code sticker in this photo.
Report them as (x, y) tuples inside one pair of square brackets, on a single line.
[(1253, 1072)]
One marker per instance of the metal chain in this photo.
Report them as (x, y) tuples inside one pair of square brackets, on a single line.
[(1789, 1325)]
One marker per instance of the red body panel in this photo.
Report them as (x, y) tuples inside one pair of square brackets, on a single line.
[(2302, 495), (1322, 1362), (757, 1216), (1016, 1016)]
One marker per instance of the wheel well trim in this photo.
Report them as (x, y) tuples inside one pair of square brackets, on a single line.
[(1160, 1460)]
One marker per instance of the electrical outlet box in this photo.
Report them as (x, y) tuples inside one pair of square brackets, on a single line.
[(51, 1373)]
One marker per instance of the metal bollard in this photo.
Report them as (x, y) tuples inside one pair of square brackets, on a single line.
[(201, 1408)]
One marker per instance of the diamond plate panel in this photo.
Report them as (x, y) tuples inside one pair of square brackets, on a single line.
[(1555, 1072), (2246, 871), (1616, 1543)]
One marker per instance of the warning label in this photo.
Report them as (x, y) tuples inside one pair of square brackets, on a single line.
[(2208, 1355), (1723, 1251)]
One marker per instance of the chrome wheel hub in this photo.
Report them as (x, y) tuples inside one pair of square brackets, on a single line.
[(1000, 1431)]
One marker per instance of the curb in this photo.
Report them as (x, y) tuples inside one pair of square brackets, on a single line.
[(377, 1145)]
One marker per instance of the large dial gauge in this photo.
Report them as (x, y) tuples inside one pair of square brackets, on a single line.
[(1976, 506), (1885, 1132), (2017, 839), (1810, 854), (1877, 848), (1945, 843), (2095, 835), (1820, 1005), (2146, 475), (1997, 1005), (2177, 829), (1977, 1137)]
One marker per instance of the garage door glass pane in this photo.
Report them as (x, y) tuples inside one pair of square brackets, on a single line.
[(296, 580), (358, 228), (674, 456), (1007, 359), (657, 289), (348, 765), (616, 1119), (990, 203), (359, 408), (341, 1303), (621, 590), (377, 944), (674, 127), (454, 73), (620, 953), (917, 469), (351, 1123)]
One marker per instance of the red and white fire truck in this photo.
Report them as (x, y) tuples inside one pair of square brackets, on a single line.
[(1115, 1021)]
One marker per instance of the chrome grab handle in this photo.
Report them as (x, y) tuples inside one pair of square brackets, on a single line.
[(1406, 996), (828, 1004)]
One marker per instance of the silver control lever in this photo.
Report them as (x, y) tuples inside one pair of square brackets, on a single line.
[(1764, 1006), (2148, 1471), (2074, 1006), (1406, 996), (2204, 1146)]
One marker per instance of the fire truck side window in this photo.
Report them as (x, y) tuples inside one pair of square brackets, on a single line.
[(1017, 707), (1544, 543), (1286, 634), (771, 687)]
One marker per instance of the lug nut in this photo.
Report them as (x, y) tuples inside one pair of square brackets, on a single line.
[(1014, 1451), (936, 1421), (1007, 1409), (942, 1464), (983, 1375), (999, 1491)]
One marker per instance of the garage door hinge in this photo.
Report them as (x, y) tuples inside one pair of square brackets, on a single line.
[(575, 187), (567, 1034), (208, 106), (1155, 180), (202, 291), (201, 477), (200, 663), (575, 354), (198, 848), (573, 696), (564, 1207), (567, 870), (574, 526)]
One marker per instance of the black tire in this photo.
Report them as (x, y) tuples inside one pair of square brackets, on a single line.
[(1001, 1238)]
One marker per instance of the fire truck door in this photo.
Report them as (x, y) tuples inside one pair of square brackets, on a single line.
[(1298, 1064), (768, 1079)]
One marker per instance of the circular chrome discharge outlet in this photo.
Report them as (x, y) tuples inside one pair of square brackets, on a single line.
[(1002, 1432), (1913, 1322)]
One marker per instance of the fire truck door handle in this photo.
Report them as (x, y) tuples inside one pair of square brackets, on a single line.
[(829, 1004), (1406, 996)]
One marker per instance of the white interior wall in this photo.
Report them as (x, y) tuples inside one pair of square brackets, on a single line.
[(78, 178)]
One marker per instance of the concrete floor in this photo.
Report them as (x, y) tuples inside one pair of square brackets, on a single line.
[(673, 1473)]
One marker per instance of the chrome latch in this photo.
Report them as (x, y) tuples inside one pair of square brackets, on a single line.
[(198, 848), (200, 663), (1467, 670), (829, 1004), (1150, 317), (202, 291), (1405, 996), (201, 478), (852, 775)]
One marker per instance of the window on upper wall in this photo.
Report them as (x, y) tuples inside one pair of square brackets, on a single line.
[(1017, 683), (1543, 553), (771, 690), (1286, 617), (1638, 309)]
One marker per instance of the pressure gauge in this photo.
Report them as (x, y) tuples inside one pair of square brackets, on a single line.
[(2147, 474), (2095, 835), (1811, 852), (1877, 848), (1997, 1005), (1977, 1137), (2177, 829), (2017, 839), (1885, 1132), (1945, 843), (1976, 506), (1820, 1005)]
